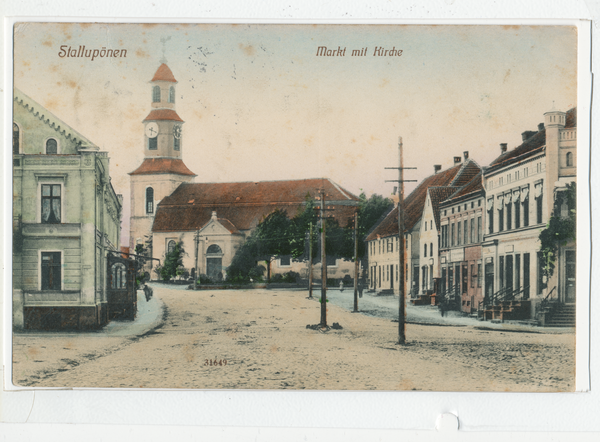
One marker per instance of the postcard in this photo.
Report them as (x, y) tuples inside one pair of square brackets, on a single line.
[(297, 207)]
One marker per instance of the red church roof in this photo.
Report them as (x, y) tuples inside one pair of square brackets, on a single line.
[(162, 165), (163, 73), (163, 114), (245, 204)]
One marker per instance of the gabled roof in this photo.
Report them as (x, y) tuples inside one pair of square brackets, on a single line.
[(48, 118), (413, 205), (152, 166), (529, 147), (163, 114), (471, 188), (437, 195), (163, 73), (245, 204)]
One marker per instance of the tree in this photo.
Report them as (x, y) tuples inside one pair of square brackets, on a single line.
[(561, 227), (173, 264)]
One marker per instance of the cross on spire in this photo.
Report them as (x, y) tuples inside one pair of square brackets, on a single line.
[(164, 40)]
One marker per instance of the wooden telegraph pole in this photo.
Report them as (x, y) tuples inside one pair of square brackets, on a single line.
[(310, 264), (401, 246), (197, 242), (323, 264), (355, 261)]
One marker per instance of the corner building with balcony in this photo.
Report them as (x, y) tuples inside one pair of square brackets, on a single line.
[(66, 218)]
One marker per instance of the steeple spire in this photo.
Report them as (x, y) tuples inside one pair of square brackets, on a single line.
[(164, 40)]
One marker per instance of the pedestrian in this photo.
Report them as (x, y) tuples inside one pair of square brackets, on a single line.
[(147, 292), (360, 288), (341, 286)]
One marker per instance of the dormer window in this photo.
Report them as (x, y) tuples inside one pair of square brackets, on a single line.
[(156, 94), (51, 147)]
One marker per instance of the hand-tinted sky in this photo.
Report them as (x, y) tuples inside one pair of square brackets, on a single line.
[(258, 103)]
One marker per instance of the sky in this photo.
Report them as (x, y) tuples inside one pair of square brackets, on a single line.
[(259, 104)]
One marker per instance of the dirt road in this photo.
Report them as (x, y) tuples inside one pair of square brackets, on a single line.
[(263, 338)]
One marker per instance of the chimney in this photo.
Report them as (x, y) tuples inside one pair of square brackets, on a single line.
[(540, 127), (457, 160), (503, 147), (437, 168), (528, 134), (466, 155)]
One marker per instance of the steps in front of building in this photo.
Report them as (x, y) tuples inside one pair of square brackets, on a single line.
[(562, 316)]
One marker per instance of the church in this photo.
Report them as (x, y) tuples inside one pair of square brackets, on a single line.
[(212, 220)]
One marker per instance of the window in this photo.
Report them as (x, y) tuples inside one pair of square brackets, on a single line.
[(490, 220), (569, 159), (215, 249), (500, 181), (51, 147), (517, 214), (425, 250), (431, 225), (149, 200), (472, 238), (516, 175), (426, 226), (171, 95), (285, 261), (176, 143), (479, 230), (465, 232), (51, 203), (478, 203), (458, 234), (539, 202), (452, 235), (156, 94), (508, 216), (390, 245), (472, 204), (430, 249), (526, 172), (479, 275), (473, 276), (51, 270), (153, 143), (465, 207), (16, 139), (501, 217), (118, 276), (170, 246)]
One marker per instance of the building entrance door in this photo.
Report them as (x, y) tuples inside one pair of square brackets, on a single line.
[(121, 294), (489, 280), (569, 280)]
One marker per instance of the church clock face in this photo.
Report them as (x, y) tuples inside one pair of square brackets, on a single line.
[(151, 130), (177, 131)]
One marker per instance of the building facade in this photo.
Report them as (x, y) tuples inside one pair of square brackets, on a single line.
[(521, 186), (66, 219)]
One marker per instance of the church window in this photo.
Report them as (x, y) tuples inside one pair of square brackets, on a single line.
[(149, 200), (176, 143), (569, 159), (16, 139), (153, 143), (170, 246), (213, 248), (51, 147), (171, 94), (156, 94)]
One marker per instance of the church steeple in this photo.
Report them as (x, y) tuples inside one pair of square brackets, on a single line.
[(162, 126)]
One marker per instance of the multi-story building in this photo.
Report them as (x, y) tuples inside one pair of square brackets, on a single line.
[(66, 219), (382, 242), (462, 222), (520, 190)]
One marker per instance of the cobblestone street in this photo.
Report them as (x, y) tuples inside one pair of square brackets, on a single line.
[(259, 340)]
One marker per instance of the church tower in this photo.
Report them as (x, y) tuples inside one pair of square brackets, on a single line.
[(162, 170)]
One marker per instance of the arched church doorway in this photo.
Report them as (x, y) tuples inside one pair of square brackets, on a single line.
[(214, 262)]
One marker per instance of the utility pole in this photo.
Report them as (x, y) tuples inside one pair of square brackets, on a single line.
[(197, 241), (355, 262), (310, 263), (401, 246), (323, 264)]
